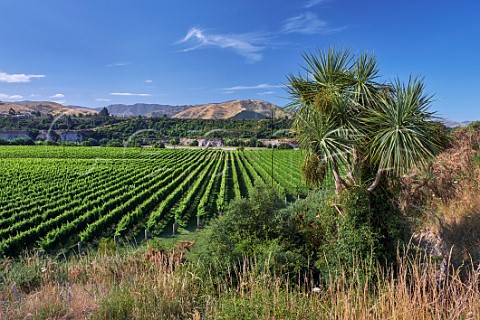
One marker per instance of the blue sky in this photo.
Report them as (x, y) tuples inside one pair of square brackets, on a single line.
[(98, 52)]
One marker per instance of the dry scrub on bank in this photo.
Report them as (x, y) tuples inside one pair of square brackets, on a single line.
[(447, 195)]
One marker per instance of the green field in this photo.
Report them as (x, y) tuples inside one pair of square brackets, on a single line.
[(54, 197)]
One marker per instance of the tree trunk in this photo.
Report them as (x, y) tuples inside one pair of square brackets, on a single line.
[(340, 184), (376, 182)]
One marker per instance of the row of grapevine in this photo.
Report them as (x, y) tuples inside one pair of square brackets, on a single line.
[(204, 205), (235, 178), (160, 216), (222, 197), (164, 183), (58, 225), (129, 221), (23, 220), (284, 164), (181, 208), (246, 178), (110, 212)]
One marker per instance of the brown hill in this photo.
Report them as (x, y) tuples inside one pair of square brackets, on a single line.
[(237, 109), (44, 107)]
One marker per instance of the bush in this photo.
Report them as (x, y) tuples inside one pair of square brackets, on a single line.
[(174, 141), (284, 146), (234, 142), (90, 142), (339, 232), (159, 145), (336, 232), (114, 143), (103, 142), (106, 246), (22, 142), (250, 228), (49, 143)]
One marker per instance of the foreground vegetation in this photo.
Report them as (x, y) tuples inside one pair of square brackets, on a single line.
[(148, 284)]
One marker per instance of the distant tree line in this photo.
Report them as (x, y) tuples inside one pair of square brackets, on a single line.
[(102, 129)]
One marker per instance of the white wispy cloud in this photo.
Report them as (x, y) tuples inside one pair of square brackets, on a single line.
[(148, 81), (246, 45), (103, 99), (58, 96), (19, 77), (308, 23), (4, 96), (130, 94), (312, 3), (120, 64), (255, 87), (265, 93), (63, 101)]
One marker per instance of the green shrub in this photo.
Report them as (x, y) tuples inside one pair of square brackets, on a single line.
[(193, 143), (159, 145), (250, 228), (341, 231), (325, 234), (174, 141), (284, 146), (114, 143)]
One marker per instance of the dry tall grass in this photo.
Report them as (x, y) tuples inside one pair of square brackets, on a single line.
[(135, 286)]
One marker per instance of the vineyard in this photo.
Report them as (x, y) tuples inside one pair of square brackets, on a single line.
[(55, 197)]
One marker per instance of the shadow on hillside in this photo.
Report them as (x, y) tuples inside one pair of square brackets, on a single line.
[(463, 236)]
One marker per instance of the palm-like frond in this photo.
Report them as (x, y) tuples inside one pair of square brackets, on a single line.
[(330, 69), (400, 128), (320, 136), (365, 87)]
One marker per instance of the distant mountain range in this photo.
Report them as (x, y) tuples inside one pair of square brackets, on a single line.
[(455, 124), (236, 109), (44, 107), (144, 109)]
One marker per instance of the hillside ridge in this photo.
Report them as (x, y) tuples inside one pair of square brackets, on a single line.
[(234, 109), (44, 107)]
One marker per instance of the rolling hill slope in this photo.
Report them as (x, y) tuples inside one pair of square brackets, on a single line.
[(236, 109), (44, 107)]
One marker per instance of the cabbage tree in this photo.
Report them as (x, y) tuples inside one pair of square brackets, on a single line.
[(355, 128)]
